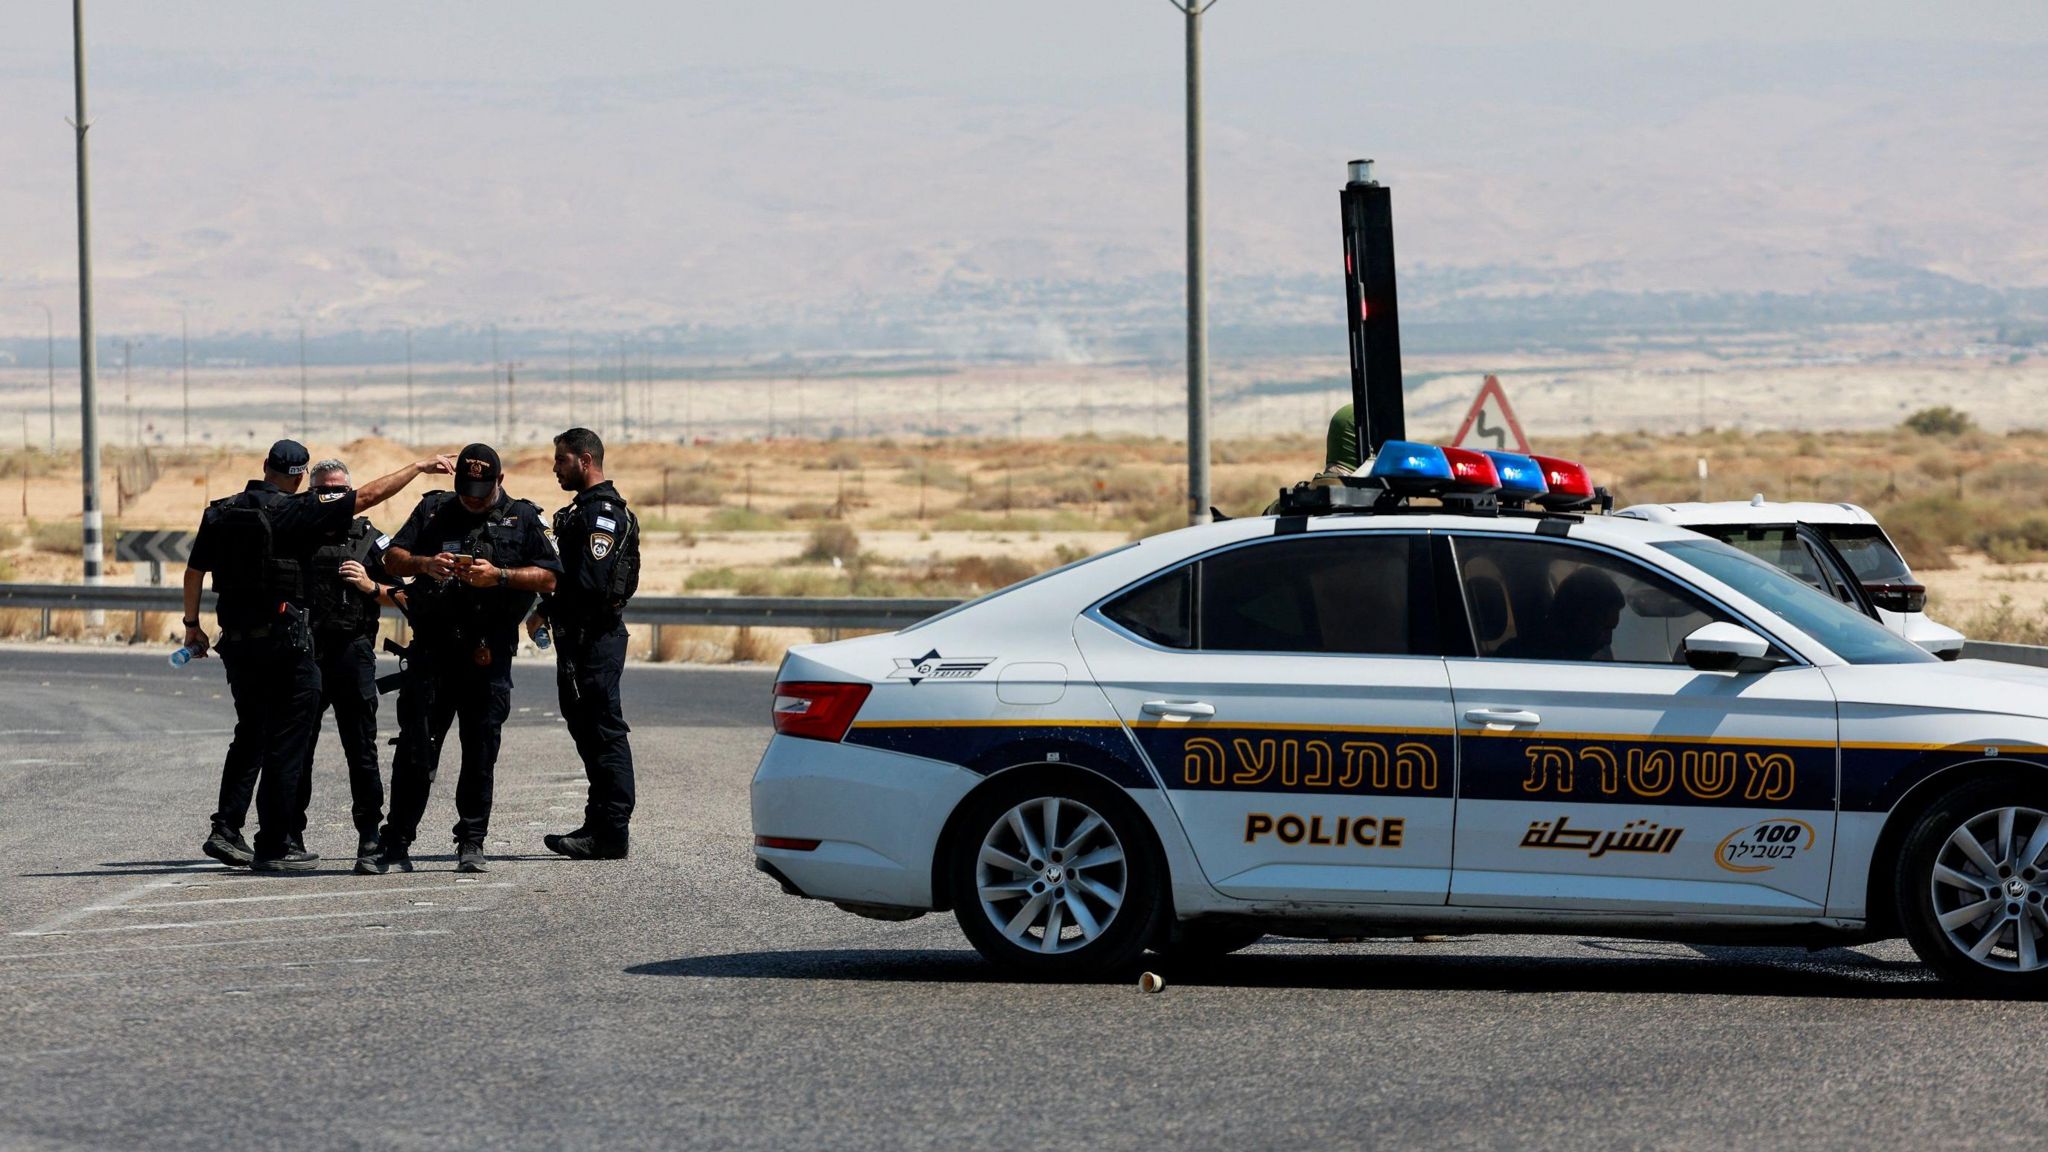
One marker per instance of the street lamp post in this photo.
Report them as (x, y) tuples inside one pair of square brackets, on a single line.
[(50, 360)]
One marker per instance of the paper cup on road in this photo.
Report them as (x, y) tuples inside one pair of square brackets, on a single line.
[(1150, 982)]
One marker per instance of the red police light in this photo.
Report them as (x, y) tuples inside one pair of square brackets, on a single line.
[(817, 711), (1569, 485), (1471, 471)]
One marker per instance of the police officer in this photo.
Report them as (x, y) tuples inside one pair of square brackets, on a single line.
[(343, 587), (481, 557), (258, 543), (600, 547)]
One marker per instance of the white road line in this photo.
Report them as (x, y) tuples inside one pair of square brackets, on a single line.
[(222, 944), (77, 914), (294, 896), (252, 920), (128, 972)]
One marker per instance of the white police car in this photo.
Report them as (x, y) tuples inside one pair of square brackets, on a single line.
[(1840, 549), (1468, 716)]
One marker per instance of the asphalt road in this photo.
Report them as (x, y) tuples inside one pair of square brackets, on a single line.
[(150, 999)]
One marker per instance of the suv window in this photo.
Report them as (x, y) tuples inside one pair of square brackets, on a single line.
[(1535, 599), (1786, 547), (1364, 594)]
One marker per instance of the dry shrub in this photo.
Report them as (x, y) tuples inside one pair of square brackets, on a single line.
[(165, 626), (2007, 623), (832, 541), (749, 646), (985, 573), (690, 644), (20, 623)]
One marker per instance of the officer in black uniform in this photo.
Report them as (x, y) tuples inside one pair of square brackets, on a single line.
[(481, 557), (600, 546), (343, 586), (258, 543)]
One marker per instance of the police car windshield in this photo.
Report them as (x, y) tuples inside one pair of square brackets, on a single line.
[(1848, 633), (987, 596)]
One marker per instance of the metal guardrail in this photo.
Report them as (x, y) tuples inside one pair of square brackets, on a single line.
[(828, 613)]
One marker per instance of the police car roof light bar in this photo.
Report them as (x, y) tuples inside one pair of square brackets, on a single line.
[(1568, 484), (1521, 478), (1411, 469), (1471, 471)]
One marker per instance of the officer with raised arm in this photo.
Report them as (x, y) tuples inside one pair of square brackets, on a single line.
[(345, 587), (599, 540), (258, 544), (480, 557)]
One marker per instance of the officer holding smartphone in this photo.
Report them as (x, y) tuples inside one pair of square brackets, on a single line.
[(479, 557)]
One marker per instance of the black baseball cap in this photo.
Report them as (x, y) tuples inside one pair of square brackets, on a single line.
[(477, 471), (287, 458)]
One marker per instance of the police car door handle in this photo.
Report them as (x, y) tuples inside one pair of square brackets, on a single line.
[(1178, 708), (1502, 719)]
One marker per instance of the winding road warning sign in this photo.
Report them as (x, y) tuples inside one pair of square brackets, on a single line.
[(1490, 423)]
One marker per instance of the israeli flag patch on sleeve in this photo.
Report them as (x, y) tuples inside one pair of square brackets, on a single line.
[(607, 524), (384, 541)]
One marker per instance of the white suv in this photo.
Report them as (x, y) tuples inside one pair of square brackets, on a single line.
[(1837, 548)]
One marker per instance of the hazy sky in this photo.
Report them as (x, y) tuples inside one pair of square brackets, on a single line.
[(943, 39), (621, 162)]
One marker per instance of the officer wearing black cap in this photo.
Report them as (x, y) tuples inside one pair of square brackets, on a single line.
[(257, 543), (600, 544), (481, 557)]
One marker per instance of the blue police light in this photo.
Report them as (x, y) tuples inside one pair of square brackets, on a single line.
[(1521, 479), (1408, 467)]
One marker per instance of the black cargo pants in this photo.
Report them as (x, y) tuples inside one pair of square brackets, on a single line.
[(587, 671), (276, 688), (348, 683), (440, 688)]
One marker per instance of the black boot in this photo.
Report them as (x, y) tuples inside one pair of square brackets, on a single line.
[(469, 857), (367, 851), (394, 854), (580, 845), (227, 846), (293, 860)]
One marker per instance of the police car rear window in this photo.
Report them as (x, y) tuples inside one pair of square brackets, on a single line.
[(1361, 594)]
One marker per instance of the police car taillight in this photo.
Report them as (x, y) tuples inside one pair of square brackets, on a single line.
[(1407, 467), (1471, 471), (1521, 478), (817, 710), (1568, 484)]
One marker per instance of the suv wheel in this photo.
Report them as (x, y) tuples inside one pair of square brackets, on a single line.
[(1973, 888), (1056, 878)]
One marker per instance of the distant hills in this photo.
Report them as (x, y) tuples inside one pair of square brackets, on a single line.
[(757, 211)]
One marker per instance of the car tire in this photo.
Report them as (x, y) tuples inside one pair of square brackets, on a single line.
[(1097, 881), (1973, 887), (1204, 940)]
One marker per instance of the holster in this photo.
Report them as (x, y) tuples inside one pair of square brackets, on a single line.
[(389, 684)]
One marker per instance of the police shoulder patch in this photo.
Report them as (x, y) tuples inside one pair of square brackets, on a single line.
[(331, 497), (600, 545), (384, 540), (607, 524)]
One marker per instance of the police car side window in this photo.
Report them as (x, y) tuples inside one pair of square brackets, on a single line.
[(1535, 599), (1160, 610), (1361, 594)]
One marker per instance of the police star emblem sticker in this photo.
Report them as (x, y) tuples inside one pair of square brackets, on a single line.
[(932, 666)]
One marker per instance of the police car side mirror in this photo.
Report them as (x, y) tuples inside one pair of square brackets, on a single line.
[(1725, 647)]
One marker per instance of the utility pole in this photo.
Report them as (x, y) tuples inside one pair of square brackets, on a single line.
[(572, 383), (412, 416), (496, 417), (128, 390), (185, 371), (511, 417), (625, 423), (88, 399), (1198, 303), (50, 353), (305, 421)]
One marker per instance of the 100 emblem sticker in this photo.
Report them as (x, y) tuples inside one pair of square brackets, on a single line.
[(1764, 845)]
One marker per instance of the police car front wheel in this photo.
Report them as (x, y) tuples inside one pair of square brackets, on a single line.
[(1056, 878), (1973, 888)]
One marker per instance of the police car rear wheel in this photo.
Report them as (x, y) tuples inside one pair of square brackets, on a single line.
[(1973, 890), (1056, 878)]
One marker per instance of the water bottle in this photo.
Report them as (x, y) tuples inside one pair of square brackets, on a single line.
[(540, 638), (181, 657)]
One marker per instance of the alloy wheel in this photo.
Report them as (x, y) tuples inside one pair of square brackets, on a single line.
[(1051, 875), (1990, 889)]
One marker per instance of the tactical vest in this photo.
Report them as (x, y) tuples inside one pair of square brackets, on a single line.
[(249, 576), (337, 605), (456, 609), (625, 574)]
